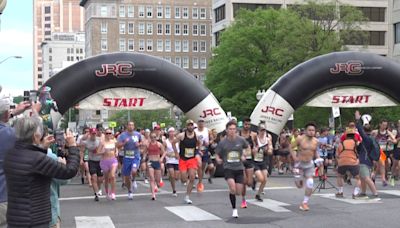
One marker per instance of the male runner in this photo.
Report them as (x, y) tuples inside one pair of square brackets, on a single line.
[(203, 135)]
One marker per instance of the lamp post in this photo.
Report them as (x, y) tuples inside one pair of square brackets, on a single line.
[(9, 57)]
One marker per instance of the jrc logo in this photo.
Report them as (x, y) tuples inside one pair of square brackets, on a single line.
[(118, 69), (350, 67), (210, 112), (274, 111)]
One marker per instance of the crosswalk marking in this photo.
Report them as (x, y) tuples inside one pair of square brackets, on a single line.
[(273, 205), (391, 192), (192, 213), (89, 222), (349, 200)]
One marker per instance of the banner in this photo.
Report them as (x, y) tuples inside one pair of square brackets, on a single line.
[(335, 112)]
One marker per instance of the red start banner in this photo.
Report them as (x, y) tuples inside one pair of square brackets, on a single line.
[(124, 102), (358, 99)]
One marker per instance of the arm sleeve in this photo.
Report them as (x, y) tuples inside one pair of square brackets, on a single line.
[(47, 166)]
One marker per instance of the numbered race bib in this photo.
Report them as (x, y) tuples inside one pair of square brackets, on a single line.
[(171, 154), (233, 157), (247, 152), (189, 152), (259, 156), (202, 148), (129, 154)]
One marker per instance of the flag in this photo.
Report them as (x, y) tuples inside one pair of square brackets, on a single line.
[(335, 112)]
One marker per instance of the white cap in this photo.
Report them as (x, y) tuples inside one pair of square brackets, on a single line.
[(171, 129), (147, 130)]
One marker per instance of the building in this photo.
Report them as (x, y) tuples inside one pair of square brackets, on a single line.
[(379, 13), (178, 31), (51, 16), (395, 47), (63, 50)]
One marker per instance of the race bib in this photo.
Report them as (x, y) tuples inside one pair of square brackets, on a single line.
[(259, 156), (129, 154), (189, 152), (202, 148), (233, 156), (171, 155), (247, 153)]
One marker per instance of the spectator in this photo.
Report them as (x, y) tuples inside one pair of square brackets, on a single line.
[(29, 172)]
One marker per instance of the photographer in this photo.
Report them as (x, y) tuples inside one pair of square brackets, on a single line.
[(29, 172)]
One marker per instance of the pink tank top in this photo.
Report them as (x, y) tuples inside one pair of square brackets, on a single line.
[(153, 149)]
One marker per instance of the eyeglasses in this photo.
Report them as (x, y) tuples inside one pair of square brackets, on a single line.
[(108, 133)]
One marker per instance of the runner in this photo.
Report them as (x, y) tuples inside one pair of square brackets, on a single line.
[(187, 151), (249, 135), (203, 135), (396, 158), (172, 162), (230, 152), (303, 161), (130, 141), (263, 147), (109, 162), (84, 157), (160, 138), (143, 150), (211, 151), (92, 144), (155, 155)]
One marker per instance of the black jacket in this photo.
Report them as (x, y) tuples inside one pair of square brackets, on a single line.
[(29, 172)]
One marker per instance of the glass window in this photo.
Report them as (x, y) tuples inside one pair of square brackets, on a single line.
[(219, 13), (47, 33), (185, 30), (177, 46), (177, 29), (167, 58), (185, 62), (203, 63), (159, 11), (131, 28), (177, 12), (47, 9), (47, 25), (203, 30), (178, 61), (122, 28), (47, 18), (397, 33), (195, 29), (167, 11), (195, 63), (203, 13), (167, 29), (121, 44), (131, 11), (103, 44), (103, 11), (160, 45), (149, 28), (141, 28), (141, 45), (149, 11), (131, 45), (159, 29), (50, 50), (203, 46), (377, 38), (141, 11), (195, 45), (122, 11), (185, 45), (103, 28), (50, 58), (376, 14), (167, 45), (185, 12), (195, 13), (149, 45)]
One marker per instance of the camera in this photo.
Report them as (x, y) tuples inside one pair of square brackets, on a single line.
[(31, 96), (60, 143)]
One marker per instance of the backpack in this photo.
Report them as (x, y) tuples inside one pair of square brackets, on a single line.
[(375, 152), (348, 148)]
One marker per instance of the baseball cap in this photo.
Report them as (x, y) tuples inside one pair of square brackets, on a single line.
[(157, 127), (147, 130), (189, 121), (171, 129), (93, 131), (262, 126)]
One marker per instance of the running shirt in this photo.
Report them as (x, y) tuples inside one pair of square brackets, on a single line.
[(170, 157), (91, 146), (203, 137), (109, 147), (383, 141), (187, 147), (230, 151), (153, 149), (131, 150), (259, 157)]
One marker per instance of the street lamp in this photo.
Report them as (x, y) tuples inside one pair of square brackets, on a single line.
[(9, 57), (260, 94)]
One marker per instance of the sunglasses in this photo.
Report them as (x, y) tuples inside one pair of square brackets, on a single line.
[(108, 133)]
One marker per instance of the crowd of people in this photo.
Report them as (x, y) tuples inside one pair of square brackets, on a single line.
[(33, 168)]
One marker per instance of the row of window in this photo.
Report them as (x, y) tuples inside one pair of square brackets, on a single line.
[(161, 12), (160, 45), (197, 63), (359, 38), (71, 51)]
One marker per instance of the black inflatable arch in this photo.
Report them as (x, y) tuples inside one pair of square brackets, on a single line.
[(136, 70), (322, 73)]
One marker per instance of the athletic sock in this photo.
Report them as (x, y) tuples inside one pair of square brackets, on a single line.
[(340, 189), (356, 190), (306, 198), (232, 197)]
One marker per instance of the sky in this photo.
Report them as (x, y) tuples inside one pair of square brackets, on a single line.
[(16, 39)]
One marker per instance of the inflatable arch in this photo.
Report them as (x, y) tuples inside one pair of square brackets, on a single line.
[(135, 70), (379, 76)]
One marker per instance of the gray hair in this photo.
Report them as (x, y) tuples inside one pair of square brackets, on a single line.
[(27, 127)]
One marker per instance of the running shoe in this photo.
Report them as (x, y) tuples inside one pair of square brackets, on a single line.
[(100, 193), (392, 182), (374, 196), (304, 207), (161, 184), (130, 195), (96, 198), (200, 187), (187, 200), (146, 181), (153, 198), (174, 194), (235, 213), (339, 195), (258, 198), (360, 196), (113, 197), (244, 204)]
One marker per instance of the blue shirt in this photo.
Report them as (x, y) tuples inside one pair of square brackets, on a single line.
[(322, 142), (131, 148), (7, 142)]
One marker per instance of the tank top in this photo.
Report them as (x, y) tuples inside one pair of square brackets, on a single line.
[(187, 147), (259, 157), (170, 158), (383, 141), (153, 149), (248, 154), (109, 147)]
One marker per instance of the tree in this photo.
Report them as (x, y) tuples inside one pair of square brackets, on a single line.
[(143, 118)]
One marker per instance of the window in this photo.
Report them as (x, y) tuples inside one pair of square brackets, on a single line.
[(50, 50), (217, 36), (122, 28), (159, 11), (40, 83), (159, 29), (121, 44), (195, 63), (103, 28), (177, 12), (203, 63), (203, 30), (185, 46), (141, 45), (177, 46), (149, 45), (149, 28), (195, 46), (178, 61), (377, 38), (103, 44), (47, 25), (160, 45), (219, 13), (149, 10), (47, 9), (40, 76), (103, 11), (141, 28), (185, 62), (185, 12), (203, 46), (167, 58), (202, 13), (177, 29), (47, 18), (68, 51), (195, 13), (50, 58), (167, 12), (141, 11), (195, 30), (396, 33), (167, 45), (167, 29), (122, 11), (376, 14), (47, 33), (131, 45), (185, 30), (131, 11), (131, 28)]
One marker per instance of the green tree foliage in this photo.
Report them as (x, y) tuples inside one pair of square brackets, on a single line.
[(143, 118)]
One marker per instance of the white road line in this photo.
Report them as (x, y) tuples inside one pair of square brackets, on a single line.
[(148, 186), (349, 200), (90, 222), (391, 192), (192, 213), (273, 205), (163, 193)]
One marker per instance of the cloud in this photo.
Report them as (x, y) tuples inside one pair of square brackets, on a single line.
[(16, 42)]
